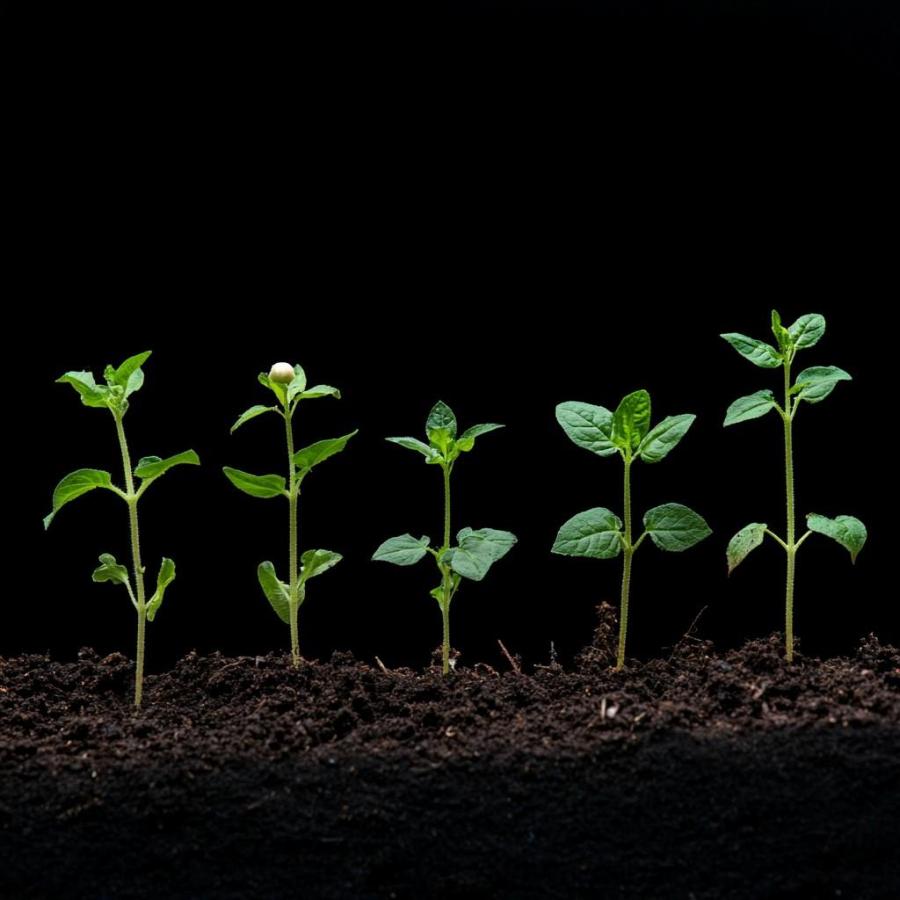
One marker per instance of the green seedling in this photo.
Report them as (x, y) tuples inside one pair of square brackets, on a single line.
[(121, 383), (812, 385), (601, 534), (476, 550), (288, 384)]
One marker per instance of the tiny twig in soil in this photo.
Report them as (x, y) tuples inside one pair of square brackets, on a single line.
[(509, 658), (381, 665)]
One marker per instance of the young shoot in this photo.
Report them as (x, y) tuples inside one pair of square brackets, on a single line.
[(113, 396), (601, 534), (812, 385), (288, 384), (475, 550)]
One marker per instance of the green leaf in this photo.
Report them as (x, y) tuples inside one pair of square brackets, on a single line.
[(320, 390), (817, 382), (252, 413), (129, 375), (466, 441), (478, 550), (747, 539), (848, 531), (596, 533), (403, 550), (587, 426), (807, 330), (440, 426), (315, 562), (750, 407), (673, 526), (153, 466), (165, 577), (298, 385), (782, 335), (320, 451), (664, 436), (263, 486), (412, 443), (758, 352), (280, 390), (110, 570), (74, 485), (277, 592), (92, 394), (631, 420)]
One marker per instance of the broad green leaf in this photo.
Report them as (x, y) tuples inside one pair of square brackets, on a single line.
[(298, 385), (673, 526), (263, 486), (596, 533), (92, 394), (135, 382), (664, 436), (817, 382), (129, 375), (758, 352), (631, 420), (315, 562), (252, 413), (750, 407), (747, 539), (440, 426), (782, 335), (412, 443), (848, 531), (280, 390), (478, 550), (587, 426), (466, 441), (153, 466), (403, 550), (110, 570), (320, 451), (165, 577), (74, 485), (320, 390), (807, 330), (277, 592)]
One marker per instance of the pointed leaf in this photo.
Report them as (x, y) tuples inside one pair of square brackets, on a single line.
[(320, 390), (277, 592), (165, 577), (673, 526), (280, 390), (92, 394), (315, 562), (74, 485), (596, 533), (412, 443), (298, 385), (440, 426), (747, 539), (466, 441), (320, 451), (263, 486), (750, 407), (664, 436), (478, 550), (252, 413), (782, 335), (587, 426), (403, 550), (153, 466), (129, 375), (110, 570), (807, 330), (758, 352), (631, 420), (817, 382), (848, 531)]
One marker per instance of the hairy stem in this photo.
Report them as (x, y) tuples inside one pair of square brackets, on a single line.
[(293, 578), (628, 552), (445, 574), (791, 525), (132, 501)]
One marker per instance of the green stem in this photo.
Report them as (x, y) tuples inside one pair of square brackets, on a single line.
[(628, 552), (293, 578), (132, 501), (447, 583), (790, 541)]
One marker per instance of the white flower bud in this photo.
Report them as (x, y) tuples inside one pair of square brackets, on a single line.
[(281, 373)]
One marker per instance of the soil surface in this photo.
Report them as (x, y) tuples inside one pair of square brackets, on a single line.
[(705, 775)]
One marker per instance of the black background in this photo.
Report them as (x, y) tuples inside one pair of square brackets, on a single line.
[(503, 221)]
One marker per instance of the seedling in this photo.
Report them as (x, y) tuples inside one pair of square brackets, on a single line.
[(121, 383), (288, 384), (600, 533), (812, 385), (476, 550)]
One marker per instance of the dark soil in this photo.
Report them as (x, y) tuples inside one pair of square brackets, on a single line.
[(705, 775)]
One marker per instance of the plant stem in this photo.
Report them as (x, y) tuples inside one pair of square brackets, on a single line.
[(628, 552), (294, 586), (445, 572), (787, 417), (132, 500)]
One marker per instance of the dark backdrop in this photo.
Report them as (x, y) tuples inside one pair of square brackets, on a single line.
[(502, 224)]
